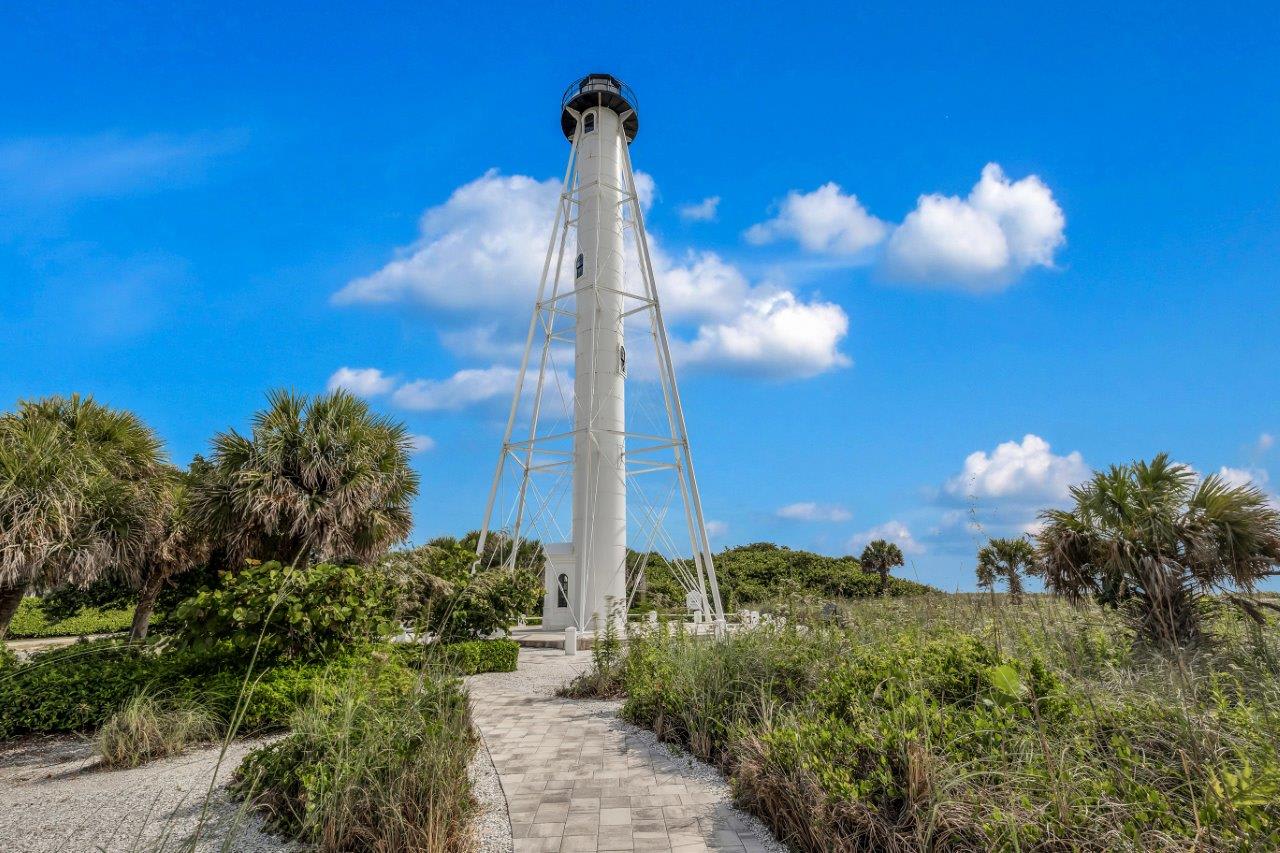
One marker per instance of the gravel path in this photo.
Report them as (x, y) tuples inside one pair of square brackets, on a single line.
[(54, 799), (578, 778)]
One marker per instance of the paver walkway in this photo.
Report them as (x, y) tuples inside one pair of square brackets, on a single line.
[(577, 778)]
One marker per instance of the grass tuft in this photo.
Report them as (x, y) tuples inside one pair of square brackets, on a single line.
[(147, 728)]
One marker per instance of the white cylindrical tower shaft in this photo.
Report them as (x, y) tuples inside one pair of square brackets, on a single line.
[(599, 471)]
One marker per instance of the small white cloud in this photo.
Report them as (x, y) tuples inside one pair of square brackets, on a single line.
[(422, 443), (809, 511), (646, 189), (716, 529), (361, 381), (1018, 472), (461, 390), (1244, 476), (892, 531), (1265, 442), (826, 220), (775, 336), (703, 211), (979, 243)]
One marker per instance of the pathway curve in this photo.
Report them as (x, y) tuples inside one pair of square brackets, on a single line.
[(577, 778)]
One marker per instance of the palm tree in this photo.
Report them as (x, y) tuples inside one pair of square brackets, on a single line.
[(880, 556), (1008, 559), (180, 543), (79, 493), (1153, 539), (321, 478)]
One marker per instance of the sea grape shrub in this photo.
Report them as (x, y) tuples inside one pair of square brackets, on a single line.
[(289, 612), (71, 688), (439, 594)]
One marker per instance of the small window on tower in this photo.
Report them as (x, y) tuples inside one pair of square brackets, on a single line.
[(622, 359), (562, 591), (578, 267), (589, 122)]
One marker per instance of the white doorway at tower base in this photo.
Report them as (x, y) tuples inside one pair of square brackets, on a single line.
[(558, 585)]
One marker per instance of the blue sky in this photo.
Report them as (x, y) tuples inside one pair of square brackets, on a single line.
[(184, 193)]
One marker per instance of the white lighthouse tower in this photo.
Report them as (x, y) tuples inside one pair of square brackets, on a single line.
[(588, 302)]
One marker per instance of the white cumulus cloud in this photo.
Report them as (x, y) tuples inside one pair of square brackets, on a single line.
[(1026, 471), (810, 511), (479, 257), (461, 390), (362, 381), (775, 336), (422, 443), (703, 211), (826, 220), (891, 531), (981, 242), (476, 251)]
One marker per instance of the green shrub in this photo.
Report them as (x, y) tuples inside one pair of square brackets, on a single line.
[(72, 688), (147, 728), (468, 657), (438, 594), (377, 761), (760, 572), (948, 724), (79, 687), (475, 656), (33, 620), (110, 592), (289, 612)]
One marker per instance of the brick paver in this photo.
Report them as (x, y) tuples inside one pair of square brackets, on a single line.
[(577, 778)]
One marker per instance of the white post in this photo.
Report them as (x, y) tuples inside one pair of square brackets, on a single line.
[(571, 640)]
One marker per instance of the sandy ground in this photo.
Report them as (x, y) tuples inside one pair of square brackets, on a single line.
[(53, 797)]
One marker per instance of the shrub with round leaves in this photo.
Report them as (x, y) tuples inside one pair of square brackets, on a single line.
[(289, 612)]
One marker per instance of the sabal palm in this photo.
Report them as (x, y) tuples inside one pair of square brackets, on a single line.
[(880, 556), (1152, 537), (1009, 559), (79, 492), (180, 543), (321, 478)]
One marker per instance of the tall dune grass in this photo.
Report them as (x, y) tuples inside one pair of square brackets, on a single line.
[(966, 723)]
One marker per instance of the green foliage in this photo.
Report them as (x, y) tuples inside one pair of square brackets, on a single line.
[(32, 620), (148, 727), (110, 592), (475, 656), (377, 761), (1009, 559), (1153, 539), (80, 489), (317, 478), (79, 687), (949, 723), (289, 612), (439, 594), (762, 571), (72, 688), (880, 556)]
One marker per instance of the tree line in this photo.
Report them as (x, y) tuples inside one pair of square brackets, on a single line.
[(1153, 540), (87, 491)]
